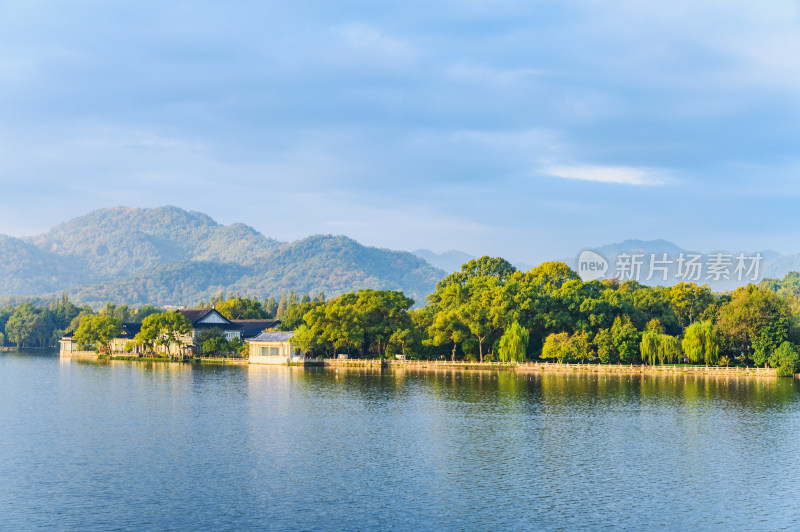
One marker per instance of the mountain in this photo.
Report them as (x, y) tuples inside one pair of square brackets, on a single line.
[(449, 261), (171, 256), (123, 240), (27, 270)]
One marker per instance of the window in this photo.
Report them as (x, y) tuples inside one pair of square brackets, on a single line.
[(263, 351), (274, 351)]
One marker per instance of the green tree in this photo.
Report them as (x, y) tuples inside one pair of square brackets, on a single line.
[(769, 337), (670, 350), (485, 266), (650, 347), (29, 325), (144, 311), (785, 358), (447, 328), (580, 347), (689, 301), (283, 305), (164, 330), (751, 312), (556, 346), (271, 308), (514, 343), (625, 339), (241, 308), (604, 343), (701, 343), (98, 331)]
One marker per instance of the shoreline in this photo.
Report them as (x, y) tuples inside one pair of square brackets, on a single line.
[(554, 367), (435, 365)]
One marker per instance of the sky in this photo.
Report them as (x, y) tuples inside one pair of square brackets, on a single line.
[(524, 129)]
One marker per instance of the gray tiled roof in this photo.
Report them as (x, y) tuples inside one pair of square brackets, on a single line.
[(251, 328), (272, 336)]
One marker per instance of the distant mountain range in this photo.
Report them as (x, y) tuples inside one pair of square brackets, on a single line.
[(772, 263), (169, 256), (451, 261)]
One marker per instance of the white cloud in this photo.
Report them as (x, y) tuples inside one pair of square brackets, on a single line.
[(623, 175)]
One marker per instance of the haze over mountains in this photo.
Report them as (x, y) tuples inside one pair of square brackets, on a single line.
[(169, 256)]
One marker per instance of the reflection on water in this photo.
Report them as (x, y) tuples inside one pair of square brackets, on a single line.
[(156, 445)]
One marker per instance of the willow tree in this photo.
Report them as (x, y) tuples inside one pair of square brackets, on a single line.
[(650, 347), (513, 343), (670, 350), (700, 343), (659, 348)]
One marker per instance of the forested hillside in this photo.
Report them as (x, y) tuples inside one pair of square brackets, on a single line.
[(170, 256)]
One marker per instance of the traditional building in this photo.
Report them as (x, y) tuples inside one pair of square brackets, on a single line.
[(202, 319), (274, 347)]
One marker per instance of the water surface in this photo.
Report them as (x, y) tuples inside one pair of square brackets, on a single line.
[(119, 445)]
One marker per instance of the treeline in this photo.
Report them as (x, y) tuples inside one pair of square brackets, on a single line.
[(236, 307), (41, 325), (490, 311)]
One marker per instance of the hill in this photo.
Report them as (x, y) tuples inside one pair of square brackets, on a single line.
[(170, 256)]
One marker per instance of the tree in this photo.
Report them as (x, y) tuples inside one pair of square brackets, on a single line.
[(625, 339), (785, 358), (701, 343), (241, 308), (447, 328), (485, 309), (580, 347), (670, 350), (551, 275), (659, 348), (163, 329), (212, 341), (556, 346), (403, 338), (144, 311), (271, 308), (514, 343), (650, 347), (293, 317), (98, 331), (689, 301), (447, 325), (604, 342), (381, 313), (769, 337), (485, 266), (751, 313), (29, 325), (282, 306)]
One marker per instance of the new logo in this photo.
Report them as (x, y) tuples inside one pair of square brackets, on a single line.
[(592, 266)]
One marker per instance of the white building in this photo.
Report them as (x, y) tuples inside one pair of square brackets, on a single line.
[(274, 347)]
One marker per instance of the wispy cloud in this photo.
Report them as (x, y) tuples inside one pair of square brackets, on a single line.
[(622, 175)]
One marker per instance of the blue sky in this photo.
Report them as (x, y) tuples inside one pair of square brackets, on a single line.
[(524, 129)]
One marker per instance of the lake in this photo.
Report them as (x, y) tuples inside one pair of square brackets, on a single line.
[(119, 445)]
